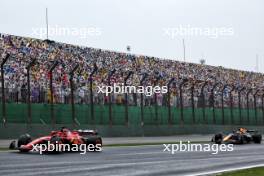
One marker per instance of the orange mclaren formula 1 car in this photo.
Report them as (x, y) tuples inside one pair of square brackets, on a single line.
[(63, 136), (239, 136)]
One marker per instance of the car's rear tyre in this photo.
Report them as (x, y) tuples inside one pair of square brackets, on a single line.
[(23, 140), (218, 138), (99, 141), (12, 145), (93, 140), (257, 138), (96, 141)]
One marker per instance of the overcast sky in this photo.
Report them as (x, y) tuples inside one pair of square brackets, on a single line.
[(147, 26)]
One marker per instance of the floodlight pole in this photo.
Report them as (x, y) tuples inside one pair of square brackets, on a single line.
[(47, 23)]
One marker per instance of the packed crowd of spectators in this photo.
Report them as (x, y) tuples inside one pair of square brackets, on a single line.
[(159, 71)]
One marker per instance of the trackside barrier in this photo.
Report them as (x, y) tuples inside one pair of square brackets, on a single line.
[(41, 113)]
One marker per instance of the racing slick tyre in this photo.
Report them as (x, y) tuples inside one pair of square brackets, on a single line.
[(23, 140), (94, 140), (218, 138), (257, 138), (12, 145)]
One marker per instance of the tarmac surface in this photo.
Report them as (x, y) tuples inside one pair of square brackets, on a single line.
[(130, 161), (4, 143)]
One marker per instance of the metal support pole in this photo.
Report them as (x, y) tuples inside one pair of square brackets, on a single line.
[(213, 101), (255, 106), (203, 100), (3, 89), (169, 106), (222, 102), (248, 92), (181, 99), (29, 120), (53, 119), (91, 92), (126, 97), (262, 107), (110, 98), (231, 104), (72, 94), (192, 99), (156, 103), (141, 99), (239, 103)]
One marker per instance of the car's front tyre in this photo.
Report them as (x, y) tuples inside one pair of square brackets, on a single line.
[(257, 138), (23, 140), (218, 138)]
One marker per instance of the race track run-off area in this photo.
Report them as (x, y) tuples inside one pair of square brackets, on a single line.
[(130, 160)]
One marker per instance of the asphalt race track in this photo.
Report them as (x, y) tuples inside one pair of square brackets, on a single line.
[(137, 160)]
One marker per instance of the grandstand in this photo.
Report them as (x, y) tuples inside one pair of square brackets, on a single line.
[(197, 93)]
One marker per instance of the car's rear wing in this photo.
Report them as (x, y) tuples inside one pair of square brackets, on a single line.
[(86, 132), (252, 131)]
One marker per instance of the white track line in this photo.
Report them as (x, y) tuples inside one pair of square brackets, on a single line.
[(226, 170)]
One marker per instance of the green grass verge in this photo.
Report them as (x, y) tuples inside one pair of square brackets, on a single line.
[(3, 149), (258, 171)]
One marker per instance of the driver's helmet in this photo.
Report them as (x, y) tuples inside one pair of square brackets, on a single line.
[(64, 130), (242, 130)]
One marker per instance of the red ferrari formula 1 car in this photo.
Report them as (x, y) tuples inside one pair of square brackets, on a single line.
[(64, 136)]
